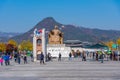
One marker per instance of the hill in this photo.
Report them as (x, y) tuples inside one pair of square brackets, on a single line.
[(71, 32), (4, 36)]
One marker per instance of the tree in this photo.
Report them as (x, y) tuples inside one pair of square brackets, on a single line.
[(118, 41), (11, 46), (13, 42), (2, 47), (26, 45), (109, 44)]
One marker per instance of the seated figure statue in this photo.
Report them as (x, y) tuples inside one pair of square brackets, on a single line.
[(55, 36)]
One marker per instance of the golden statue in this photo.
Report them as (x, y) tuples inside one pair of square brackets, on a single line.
[(55, 36)]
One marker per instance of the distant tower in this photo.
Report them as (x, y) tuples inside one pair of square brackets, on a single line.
[(38, 43)]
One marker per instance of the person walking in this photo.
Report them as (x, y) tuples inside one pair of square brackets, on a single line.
[(15, 57), (18, 58), (59, 57), (49, 57), (25, 59), (102, 56), (97, 56), (7, 59), (41, 58), (70, 56), (31, 55), (83, 56), (93, 55), (1, 61)]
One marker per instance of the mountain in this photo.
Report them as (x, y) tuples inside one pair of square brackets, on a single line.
[(4, 36), (71, 32), (47, 23)]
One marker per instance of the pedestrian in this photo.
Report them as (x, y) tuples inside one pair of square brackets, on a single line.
[(25, 59), (41, 58), (15, 57), (87, 53), (97, 56), (31, 55), (93, 55), (49, 57), (59, 57), (1, 61), (70, 56), (7, 59), (83, 56), (19, 58), (102, 56)]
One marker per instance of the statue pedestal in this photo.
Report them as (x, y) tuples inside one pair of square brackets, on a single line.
[(55, 49)]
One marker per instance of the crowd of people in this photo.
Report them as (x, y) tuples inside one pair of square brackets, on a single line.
[(96, 55), (5, 58)]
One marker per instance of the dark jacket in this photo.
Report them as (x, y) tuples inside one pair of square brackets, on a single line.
[(41, 56)]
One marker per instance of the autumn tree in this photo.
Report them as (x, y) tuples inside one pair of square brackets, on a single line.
[(11, 46), (26, 45), (2, 47), (13, 42), (109, 44), (118, 41)]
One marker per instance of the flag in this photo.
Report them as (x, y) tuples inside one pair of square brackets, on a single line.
[(40, 30), (37, 32)]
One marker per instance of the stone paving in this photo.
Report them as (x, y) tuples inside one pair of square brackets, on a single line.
[(64, 70)]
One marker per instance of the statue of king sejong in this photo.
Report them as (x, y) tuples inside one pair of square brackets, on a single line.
[(55, 36)]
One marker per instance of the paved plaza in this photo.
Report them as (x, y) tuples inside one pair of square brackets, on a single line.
[(64, 70)]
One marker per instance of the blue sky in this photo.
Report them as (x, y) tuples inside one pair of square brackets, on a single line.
[(22, 15)]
